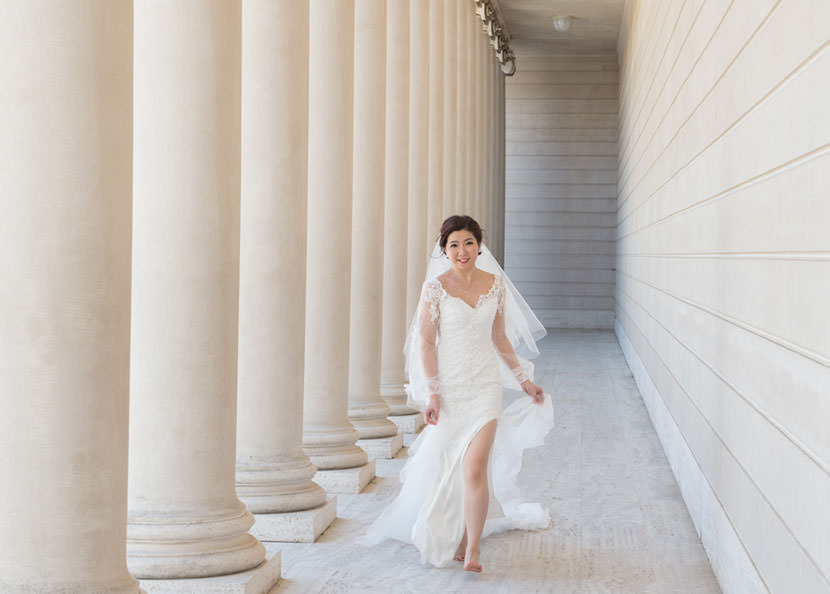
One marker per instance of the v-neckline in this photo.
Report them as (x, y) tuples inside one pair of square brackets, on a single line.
[(464, 301)]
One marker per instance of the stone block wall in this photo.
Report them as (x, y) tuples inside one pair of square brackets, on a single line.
[(560, 190), (723, 272)]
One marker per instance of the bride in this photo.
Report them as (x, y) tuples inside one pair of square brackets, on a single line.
[(460, 481)]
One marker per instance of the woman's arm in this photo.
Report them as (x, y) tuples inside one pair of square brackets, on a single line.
[(508, 354), (428, 322)]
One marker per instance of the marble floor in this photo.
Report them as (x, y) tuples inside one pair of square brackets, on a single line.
[(619, 523)]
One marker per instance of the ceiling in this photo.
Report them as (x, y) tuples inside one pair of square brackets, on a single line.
[(595, 25)]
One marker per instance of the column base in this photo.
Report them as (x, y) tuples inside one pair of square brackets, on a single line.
[(412, 423), (259, 580), (346, 480), (195, 546), (299, 526), (382, 447), (276, 488), (398, 408), (395, 397), (332, 447), (369, 418)]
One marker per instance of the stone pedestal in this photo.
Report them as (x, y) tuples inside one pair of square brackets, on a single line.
[(346, 480), (382, 447), (299, 526), (412, 423), (262, 579)]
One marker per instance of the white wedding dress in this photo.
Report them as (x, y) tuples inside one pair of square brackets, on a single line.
[(467, 343)]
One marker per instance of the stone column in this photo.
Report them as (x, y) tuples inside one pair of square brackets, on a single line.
[(497, 214), (184, 517), (471, 27), (65, 199), (419, 241), (461, 143), (328, 436), (273, 474), (450, 107), (479, 128), (435, 190), (488, 143), (487, 123), (496, 76), (367, 409), (395, 213), (500, 163)]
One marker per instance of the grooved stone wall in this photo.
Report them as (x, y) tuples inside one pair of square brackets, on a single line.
[(723, 281), (560, 189)]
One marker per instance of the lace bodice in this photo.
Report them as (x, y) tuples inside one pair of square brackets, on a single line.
[(461, 344), (465, 350), (434, 293)]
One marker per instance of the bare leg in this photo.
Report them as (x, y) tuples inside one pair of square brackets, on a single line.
[(476, 492)]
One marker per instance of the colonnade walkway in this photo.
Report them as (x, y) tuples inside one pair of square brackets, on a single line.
[(619, 523)]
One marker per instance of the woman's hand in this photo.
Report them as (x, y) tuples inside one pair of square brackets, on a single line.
[(431, 410), (533, 391)]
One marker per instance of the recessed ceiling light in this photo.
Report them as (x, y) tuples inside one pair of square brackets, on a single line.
[(561, 23)]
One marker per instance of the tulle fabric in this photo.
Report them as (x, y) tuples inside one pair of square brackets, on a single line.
[(428, 511)]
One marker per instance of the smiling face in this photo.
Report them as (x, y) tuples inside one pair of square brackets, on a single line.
[(462, 250)]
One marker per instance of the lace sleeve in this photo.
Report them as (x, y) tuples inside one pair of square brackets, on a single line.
[(500, 340), (428, 319)]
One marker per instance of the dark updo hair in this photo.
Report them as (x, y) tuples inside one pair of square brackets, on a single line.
[(458, 223)]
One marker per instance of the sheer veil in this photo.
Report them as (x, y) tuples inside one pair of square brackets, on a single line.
[(522, 328)]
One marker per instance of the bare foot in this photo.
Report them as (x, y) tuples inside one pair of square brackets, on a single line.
[(462, 546), (472, 563)]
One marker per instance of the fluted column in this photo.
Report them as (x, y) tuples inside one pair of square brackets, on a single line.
[(480, 128), (328, 436), (500, 146), (488, 138), (435, 190), (497, 215), (418, 241), (65, 199), (488, 142), (395, 227), (184, 517), (450, 66), (472, 36), (367, 409), (273, 474), (463, 12)]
